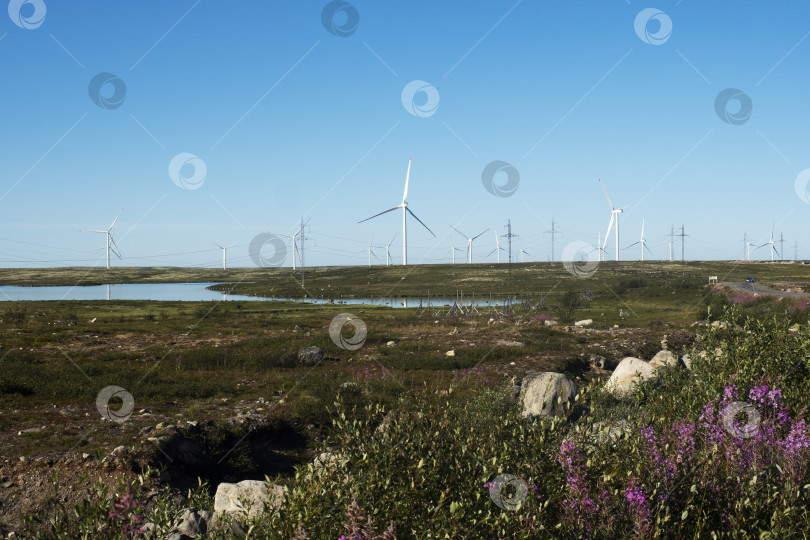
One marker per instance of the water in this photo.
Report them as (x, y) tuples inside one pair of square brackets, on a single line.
[(195, 292)]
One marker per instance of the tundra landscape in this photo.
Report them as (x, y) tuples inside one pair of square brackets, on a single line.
[(600, 404)]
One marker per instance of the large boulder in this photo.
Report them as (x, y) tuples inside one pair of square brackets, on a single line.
[(247, 497), (627, 374), (664, 359), (546, 394), (310, 355)]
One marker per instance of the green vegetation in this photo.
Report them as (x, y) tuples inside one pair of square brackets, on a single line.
[(449, 425)]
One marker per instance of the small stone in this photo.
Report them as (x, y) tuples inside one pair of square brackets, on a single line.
[(584, 322), (450, 353), (390, 344)]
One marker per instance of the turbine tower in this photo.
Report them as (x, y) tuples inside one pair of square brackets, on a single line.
[(294, 238), (405, 212), (111, 245), (469, 243), (614, 216), (224, 252)]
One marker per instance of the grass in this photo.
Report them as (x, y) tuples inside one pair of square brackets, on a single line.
[(207, 361)]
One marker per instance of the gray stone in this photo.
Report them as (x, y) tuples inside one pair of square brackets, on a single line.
[(248, 497), (664, 359), (584, 322), (686, 360), (194, 523), (546, 394), (627, 374), (310, 355)]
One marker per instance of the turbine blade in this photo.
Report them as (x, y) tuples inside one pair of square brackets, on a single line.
[(476, 236), (392, 240), (610, 226), (633, 244), (94, 230), (459, 232), (116, 219), (420, 221), (381, 213), (407, 179), (648, 249), (606, 195)]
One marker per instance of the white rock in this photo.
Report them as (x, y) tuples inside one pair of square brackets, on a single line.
[(450, 353), (247, 497), (390, 344), (550, 322), (545, 394), (687, 361), (584, 322), (664, 358), (627, 374)]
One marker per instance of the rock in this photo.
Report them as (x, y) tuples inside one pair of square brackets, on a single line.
[(719, 324), (516, 386), (584, 322), (450, 353), (194, 523), (118, 450), (630, 371), (546, 394), (597, 361), (606, 432), (509, 343), (310, 355), (686, 360), (390, 344), (94, 319), (247, 497), (324, 460), (663, 359)]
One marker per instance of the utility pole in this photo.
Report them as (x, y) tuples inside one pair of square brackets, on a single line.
[(795, 250), (683, 258), (509, 236), (553, 233), (781, 247), (745, 243)]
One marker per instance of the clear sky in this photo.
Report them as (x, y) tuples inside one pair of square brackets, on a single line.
[(298, 113)]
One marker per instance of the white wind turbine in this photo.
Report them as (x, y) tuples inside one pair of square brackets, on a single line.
[(498, 247), (370, 251), (748, 246), (643, 242), (224, 253), (294, 238), (453, 250), (405, 211), (614, 216), (111, 245), (469, 243), (770, 243), (522, 251), (387, 254)]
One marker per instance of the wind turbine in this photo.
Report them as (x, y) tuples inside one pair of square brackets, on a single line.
[(453, 250), (294, 238), (224, 253), (111, 245), (614, 216), (405, 212), (498, 247), (387, 255), (370, 250), (469, 243), (522, 251), (747, 246), (770, 243), (643, 242)]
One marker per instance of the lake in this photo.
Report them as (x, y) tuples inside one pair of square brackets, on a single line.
[(195, 292)]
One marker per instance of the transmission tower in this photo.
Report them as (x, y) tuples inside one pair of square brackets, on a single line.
[(553, 232)]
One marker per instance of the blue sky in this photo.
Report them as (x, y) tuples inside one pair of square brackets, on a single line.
[(293, 121)]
